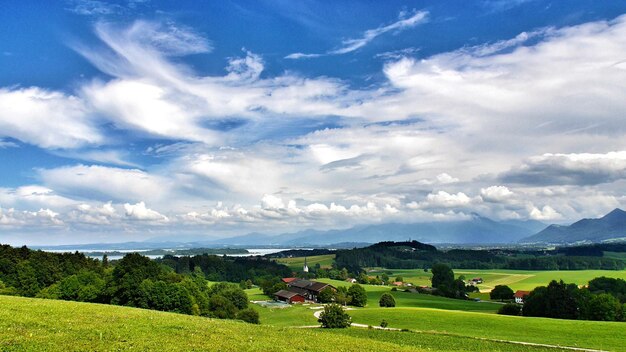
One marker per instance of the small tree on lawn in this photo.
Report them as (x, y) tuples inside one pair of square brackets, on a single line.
[(358, 296), (387, 300), (334, 317), (501, 292)]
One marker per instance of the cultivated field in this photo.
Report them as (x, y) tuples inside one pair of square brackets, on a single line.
[(47, 325), (325, 261)]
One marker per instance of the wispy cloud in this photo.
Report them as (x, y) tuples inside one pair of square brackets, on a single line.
[(350, 45), (99, 8)]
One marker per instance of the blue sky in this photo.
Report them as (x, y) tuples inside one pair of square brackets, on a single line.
[(122, 120)]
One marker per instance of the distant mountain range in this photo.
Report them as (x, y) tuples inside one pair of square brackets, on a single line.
[(477, 230), (612, 226)]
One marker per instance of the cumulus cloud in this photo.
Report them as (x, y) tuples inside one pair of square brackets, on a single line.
[(569, 169), (139, 211), (496, 193), (545, 213)]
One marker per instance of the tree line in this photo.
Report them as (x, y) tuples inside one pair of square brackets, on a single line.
[(415, 255), (174, 284), (602, 299)]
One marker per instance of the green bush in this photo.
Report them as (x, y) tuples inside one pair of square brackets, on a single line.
[(334, 317), (387, 300), (510, 309), (249, 315)]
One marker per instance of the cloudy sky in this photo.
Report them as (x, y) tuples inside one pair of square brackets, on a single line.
[(125, 120)]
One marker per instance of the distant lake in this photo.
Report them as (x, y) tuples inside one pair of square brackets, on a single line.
[(252, 252)]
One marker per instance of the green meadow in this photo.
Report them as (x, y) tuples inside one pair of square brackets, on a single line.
[(572, 333), (296, 264), (516, 279), (29, 324)]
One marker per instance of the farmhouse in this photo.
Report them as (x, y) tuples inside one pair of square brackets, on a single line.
[(476, 280), (308, 289), (520, 296), (288, 296), (289, 279)]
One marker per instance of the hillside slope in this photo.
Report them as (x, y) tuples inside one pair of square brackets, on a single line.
[(49, 325), (610, 226)]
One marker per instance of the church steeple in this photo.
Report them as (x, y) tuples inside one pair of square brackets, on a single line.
[(306, 267)]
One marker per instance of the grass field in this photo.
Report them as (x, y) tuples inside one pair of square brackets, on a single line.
[(407, 299), (573, 333), (47, 325), (516, 279), (296, 264)]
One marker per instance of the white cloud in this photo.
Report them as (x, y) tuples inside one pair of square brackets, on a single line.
[(45, 118), (496, 193), (350, 45), (140, 212), (545, 213), (106, 183)]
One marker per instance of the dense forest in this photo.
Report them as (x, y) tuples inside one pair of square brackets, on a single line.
[(176, 284), (415, 255)]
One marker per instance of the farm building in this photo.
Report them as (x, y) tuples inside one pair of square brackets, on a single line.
[(288, 296), (309, 289), (520, 296), (289, 279)]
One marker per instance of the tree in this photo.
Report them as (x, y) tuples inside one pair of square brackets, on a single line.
[(362, 278), (341, 296), (334, 317), (387, 300), (385, 278), (326, 295), (358, 296), (557, 300), (27, 284), (501, 292), (399, 279), (221, 308), (603, 307), (443, 276), (249, 315), (510, 309)]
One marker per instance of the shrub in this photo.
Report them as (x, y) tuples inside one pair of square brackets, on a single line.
[(387, 300), (510, 309), (394, 289), (249, 315), (384, 323), (334, 317)]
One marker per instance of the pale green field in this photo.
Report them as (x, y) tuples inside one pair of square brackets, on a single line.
[(28, 324), (296, 264), (516, 279)]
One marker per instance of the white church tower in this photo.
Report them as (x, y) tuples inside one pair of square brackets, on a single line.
[(306, 267)]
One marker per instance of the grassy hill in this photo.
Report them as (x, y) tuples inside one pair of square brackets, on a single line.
[(46, 325)]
